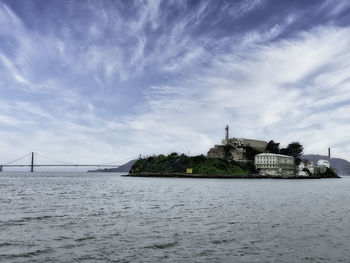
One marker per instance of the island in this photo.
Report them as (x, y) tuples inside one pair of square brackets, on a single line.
[(181, 165), (237, 158)]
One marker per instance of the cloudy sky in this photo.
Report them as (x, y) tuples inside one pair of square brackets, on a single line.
[(99, 81)]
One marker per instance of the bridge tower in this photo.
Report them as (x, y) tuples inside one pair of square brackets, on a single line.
[(32, 163)]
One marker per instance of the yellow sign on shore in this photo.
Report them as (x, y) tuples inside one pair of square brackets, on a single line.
[(188, 170)]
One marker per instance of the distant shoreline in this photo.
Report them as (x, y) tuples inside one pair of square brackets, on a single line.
[(223, 176)]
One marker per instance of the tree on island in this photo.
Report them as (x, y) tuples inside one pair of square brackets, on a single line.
[(250, 153), (273, 147), (294, 149), (285, 151)]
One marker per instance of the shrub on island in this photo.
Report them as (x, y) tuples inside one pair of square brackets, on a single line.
[(178, 163)]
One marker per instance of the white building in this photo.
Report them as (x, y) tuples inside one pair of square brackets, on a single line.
[(275, 164), (305, 165), (323, 163)]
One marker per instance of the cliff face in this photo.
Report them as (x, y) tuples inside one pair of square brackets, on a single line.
[(224, 151), (240, 154), (217, 151)]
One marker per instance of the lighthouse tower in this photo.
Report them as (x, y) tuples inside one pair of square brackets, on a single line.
[(226, 135)]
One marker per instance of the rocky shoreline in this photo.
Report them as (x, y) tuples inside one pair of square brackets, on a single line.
[(223, 176)]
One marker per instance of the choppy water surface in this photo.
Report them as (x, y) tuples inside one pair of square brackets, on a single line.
[(108, 218)]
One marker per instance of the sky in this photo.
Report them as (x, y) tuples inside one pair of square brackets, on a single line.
[(105, 81)]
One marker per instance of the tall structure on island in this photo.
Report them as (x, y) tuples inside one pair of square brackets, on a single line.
[(237, 148), (227, 135)]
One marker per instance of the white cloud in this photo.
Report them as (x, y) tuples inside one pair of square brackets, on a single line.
[(238, 9), (291, 89), (273, 91), (334, 9)]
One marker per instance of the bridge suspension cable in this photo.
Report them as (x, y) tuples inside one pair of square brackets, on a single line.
[(50, 159), (99, 164), (61, 163), (18, 159)]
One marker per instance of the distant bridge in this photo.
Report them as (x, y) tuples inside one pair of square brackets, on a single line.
[(61, 164)]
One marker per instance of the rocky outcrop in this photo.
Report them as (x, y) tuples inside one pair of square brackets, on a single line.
[(217, 151), (226, 151)]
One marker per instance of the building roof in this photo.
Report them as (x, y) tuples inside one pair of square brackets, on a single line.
[(274, 154)]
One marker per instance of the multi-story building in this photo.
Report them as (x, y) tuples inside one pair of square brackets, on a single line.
[(275, 164), (235, 148), (243, 142)]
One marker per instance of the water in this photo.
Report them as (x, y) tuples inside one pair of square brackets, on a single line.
[(79, 217)]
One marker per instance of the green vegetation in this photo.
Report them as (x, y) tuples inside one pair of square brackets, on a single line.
[(329, 173), (250, 153), (175, 163), (273, 147), (294, 149), (307, 171)]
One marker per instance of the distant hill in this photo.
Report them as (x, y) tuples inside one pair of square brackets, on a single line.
[(125, 168), (340, 165)]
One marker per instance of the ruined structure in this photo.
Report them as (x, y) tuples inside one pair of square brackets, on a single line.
[(235, 148)]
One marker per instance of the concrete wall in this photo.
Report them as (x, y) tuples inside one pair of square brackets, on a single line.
[(259, 145)]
